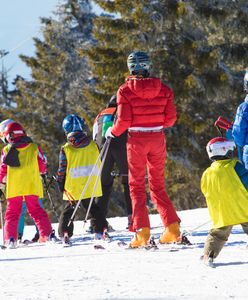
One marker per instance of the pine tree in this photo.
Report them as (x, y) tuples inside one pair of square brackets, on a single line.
[(5, 97), (59, 75)]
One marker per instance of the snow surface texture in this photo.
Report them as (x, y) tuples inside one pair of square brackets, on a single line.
[(50, 271)]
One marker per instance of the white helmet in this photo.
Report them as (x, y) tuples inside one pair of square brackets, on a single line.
[(220, 147), (3, 125)]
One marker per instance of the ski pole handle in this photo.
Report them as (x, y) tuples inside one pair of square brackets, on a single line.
[(223, 123)]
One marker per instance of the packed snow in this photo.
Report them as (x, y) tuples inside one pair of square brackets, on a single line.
[(49, 271)]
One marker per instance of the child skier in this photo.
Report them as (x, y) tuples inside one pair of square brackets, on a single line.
[(76, 160), (145, 107), (224, 185), (21, 222), (22, 162), (240, 126)]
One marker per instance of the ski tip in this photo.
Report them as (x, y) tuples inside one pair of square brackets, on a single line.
[(97, 247)]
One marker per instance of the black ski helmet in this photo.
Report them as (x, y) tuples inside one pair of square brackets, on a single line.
[(138, 63), (246, 81), (112, 101)]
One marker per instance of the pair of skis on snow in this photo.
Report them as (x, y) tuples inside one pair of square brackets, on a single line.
[(152, 246)]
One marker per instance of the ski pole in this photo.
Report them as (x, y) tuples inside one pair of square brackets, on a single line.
[(96, 182), (49, 197), (103, 151), (1, 217), (189, 232)]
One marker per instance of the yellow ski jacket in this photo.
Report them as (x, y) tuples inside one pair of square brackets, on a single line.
[(226, 196)]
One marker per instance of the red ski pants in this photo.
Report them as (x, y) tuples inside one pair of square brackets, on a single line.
[(147, 150), (13, 212)]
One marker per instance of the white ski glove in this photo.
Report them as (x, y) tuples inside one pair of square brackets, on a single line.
[(109, 134)]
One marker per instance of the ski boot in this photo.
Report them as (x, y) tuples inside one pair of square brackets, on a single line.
[(35, 239), (141, 238), (171, 234), (104, 236), (52, 237), (208, 260), (66, 240), (11, 243)]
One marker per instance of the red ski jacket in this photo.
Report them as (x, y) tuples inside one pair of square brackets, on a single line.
[(144, 102)]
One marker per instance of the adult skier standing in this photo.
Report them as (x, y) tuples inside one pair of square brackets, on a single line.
[(145, 107), (117, 155), (240, 125)]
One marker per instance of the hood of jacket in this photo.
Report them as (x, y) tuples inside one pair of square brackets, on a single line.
[(144, 87)]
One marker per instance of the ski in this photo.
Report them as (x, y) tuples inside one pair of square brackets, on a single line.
[(153, 246), (27, 242), (99, 247)]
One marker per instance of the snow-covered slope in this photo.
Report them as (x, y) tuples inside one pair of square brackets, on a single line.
[(81, 272)]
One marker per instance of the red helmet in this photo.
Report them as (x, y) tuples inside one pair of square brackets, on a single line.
[(13, 131)]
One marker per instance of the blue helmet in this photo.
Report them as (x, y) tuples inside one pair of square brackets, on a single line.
[(138, 63), (246, 82), (73, 123)]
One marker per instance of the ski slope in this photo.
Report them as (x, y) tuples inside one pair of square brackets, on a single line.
[(50, 271)]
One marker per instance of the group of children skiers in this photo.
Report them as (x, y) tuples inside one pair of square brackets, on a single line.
[(133, 123)]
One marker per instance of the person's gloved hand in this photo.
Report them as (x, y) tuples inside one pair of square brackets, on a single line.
[(109, 134)]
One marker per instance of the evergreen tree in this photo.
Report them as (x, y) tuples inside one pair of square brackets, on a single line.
[(59, 75), (5, 97)]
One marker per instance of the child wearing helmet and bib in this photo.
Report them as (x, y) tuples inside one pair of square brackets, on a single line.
[(22, 162), (224, 185), (76, 160), (21, 222)]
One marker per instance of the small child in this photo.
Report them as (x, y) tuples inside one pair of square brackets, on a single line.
[(21, 222), (240, 125), (22, 162), (76, 160), (224, 185)]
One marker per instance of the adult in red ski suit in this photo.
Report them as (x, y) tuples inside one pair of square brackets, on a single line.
[(145, 108)]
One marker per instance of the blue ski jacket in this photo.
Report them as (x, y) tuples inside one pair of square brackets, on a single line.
[(240, 129)]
